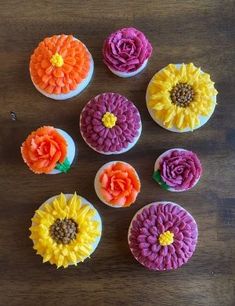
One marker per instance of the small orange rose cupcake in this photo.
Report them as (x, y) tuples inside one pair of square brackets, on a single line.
[(117, 184), (48, 150), (61, 67)]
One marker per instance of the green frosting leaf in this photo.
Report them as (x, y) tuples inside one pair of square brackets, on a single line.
[(157, 177), (63, 167)]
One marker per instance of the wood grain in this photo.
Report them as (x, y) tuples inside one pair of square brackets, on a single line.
[(180, 31)]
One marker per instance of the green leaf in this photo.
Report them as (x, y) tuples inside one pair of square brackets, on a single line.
[(63, 167), (157, 177)]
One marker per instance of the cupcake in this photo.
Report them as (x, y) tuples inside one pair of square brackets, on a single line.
[(181, 98), (65, 230), (126, 52), (177, 170), (61, 67), (162, 236), (48, 150), (110, 124), (117, 184)]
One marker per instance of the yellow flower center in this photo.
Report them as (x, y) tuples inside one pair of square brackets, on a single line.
[(166, 238), (57, 60), (109, 120)]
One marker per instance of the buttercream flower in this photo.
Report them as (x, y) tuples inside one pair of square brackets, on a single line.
[(110, 123), (126, 50), (59, 65), (117, 184), (181, 97), (44, 150), (162, 236), (177, 170), (65, 231)]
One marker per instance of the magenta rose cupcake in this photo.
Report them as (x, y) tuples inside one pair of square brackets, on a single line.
[(177, 170), (110, 123), (162, 236), (126, 52)]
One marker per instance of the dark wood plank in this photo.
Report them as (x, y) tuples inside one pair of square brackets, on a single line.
[(180, 31)]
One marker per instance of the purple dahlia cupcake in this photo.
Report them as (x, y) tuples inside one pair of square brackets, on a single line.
[(110, 123), (162, 236), (177, 170), (126, 52)]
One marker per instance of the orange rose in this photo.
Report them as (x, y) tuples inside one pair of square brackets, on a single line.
[(43, 149), (119, 184)]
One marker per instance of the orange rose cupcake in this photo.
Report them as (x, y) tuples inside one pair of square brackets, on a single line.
[(61, 67), (117, 184), (48, 150)]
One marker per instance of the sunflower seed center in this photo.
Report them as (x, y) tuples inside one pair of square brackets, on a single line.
[(63, 231), (182, 94)]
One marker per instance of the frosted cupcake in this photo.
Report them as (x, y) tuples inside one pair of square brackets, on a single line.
[(117, 184), (66, 230), (126, 52), (181, 98), (162, 236), (48, 150), (61, 67), (177, 170), (110, 123)]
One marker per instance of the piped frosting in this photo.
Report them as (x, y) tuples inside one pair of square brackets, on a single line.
[(163, 236), (126, 50), (178, 97), (110, 122), (74, 250), (59, 64)]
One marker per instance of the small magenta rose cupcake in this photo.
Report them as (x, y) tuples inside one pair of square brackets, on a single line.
[(61, 67), (126, 52), (48, 150), (177, 170), (66, 230), (110, 123), (162, 236), (117, 184)]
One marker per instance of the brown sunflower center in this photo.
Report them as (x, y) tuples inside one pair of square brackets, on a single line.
[(63, 231), (182, 94)]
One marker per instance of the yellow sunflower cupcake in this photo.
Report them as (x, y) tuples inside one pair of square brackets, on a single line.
[(66, 230), (181, 97)]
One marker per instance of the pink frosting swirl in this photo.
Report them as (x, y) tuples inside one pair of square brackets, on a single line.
[(150, 223), (180, 169), (126, 50)]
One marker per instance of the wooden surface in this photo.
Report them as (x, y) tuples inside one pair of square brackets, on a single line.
[(180, 31)]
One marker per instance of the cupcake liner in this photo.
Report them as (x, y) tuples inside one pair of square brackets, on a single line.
[(129, 74)]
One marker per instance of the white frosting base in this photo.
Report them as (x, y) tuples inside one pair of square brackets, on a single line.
[(70, 149), (157, 163), (203, 119), (129, 74), (146, 206), (96, 217), (97, 184), (80, 87)]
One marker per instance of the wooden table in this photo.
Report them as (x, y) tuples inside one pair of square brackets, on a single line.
[(180, 31)]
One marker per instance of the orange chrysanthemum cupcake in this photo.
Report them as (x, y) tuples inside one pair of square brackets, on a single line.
[(117, 184), (48, 150), (61, 67)]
